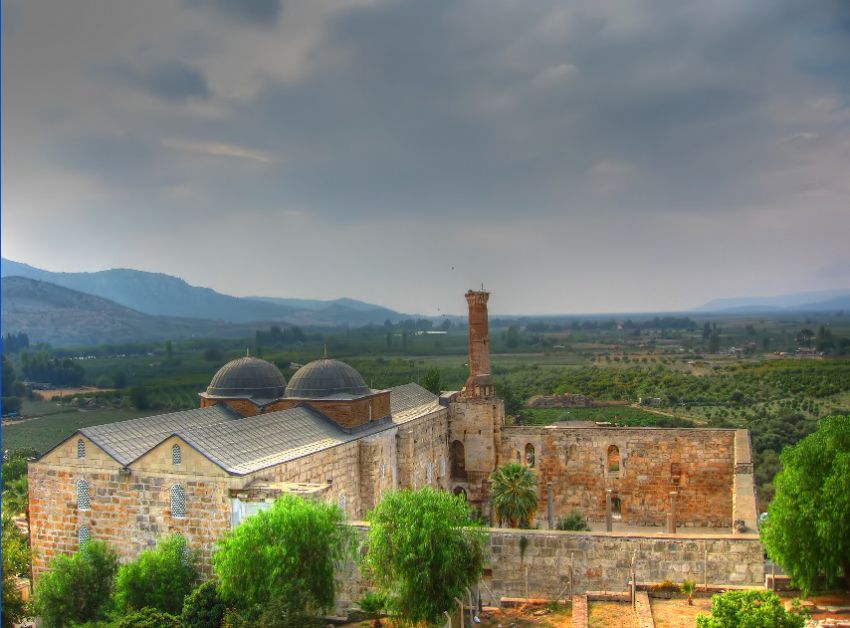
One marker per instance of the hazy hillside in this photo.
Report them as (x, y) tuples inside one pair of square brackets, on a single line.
[(824, 300), (60, 316), (163, 295)]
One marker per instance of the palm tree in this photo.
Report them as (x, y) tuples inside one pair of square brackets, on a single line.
[(513, 494), (16, 497)]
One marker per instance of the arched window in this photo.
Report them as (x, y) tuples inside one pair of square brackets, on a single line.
[(81, 448), (176, 455), (83, 500), (178, 502), (83, 536), (458, 460), (529, 455), (459, 490), (613, 459), (616, 507)]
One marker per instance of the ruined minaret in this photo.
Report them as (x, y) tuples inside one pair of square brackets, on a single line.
[(479, 384)]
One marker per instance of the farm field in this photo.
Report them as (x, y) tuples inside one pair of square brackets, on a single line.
[(55, 422)]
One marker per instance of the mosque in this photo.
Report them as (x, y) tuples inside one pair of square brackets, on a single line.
[(326, 435)]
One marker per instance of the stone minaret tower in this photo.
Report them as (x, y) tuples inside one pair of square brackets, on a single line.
[(476, 415), (479, 384)]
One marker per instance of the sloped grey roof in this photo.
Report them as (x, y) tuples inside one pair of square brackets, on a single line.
[(127, 440), (244, 445), (264, 440), (408, 396)]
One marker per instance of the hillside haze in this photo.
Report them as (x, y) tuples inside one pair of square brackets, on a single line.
[(60, 316), (816, 301), (159, 294)]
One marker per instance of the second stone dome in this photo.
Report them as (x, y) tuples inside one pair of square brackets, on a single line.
[(324, 378)]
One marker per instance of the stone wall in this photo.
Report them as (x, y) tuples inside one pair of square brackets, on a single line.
[(423, 453), (127, 510), (562, 563), (477, 425), (558, 564), (647, 464)]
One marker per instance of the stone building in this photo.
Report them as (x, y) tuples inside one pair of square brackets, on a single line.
[(327, 435)]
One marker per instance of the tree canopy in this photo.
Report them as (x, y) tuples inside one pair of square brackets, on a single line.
[(809, 518), (159, 578), (78, 587), (513, 494), (423, 551), (292, 547)]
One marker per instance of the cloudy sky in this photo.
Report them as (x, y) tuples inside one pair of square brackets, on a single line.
[(573, 156)]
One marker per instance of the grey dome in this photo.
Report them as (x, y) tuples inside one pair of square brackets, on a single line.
[(248, 377), (325, 377)]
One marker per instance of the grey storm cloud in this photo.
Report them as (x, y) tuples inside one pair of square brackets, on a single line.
[(264, 12), (686, 122), (170, 81)]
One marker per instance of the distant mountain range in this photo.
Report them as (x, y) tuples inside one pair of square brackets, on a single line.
[(158, 294), (50, 313), (818, 301)]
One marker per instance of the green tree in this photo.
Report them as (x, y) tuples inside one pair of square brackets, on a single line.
[(295, 544), (148, 618), (423, 551), (77, 588), (513, 494), (159, 578), (751, 609), (16, 562), (432, 381), (203, 607), (809, 516), (139, 398)]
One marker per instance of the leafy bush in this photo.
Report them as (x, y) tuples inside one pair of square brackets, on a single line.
[(423, 552), (16, 560), (288, 610), (159, 578), (266, 554), (573, 521), (78, 586), (689, 587), (372, 604), (203, 607), (148, 618), (751, 609)]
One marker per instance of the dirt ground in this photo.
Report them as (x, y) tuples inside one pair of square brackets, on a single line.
[(519, 617), (676, 613), (47, 395), (607, 614)]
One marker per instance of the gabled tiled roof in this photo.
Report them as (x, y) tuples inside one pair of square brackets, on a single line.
[(127, 440), (244, 445)]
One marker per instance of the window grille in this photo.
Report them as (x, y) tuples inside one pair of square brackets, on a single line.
[(430, 472), (342, 502), (178, 502), (83, 536), (83, 499), (176, 455), (81, 448)]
